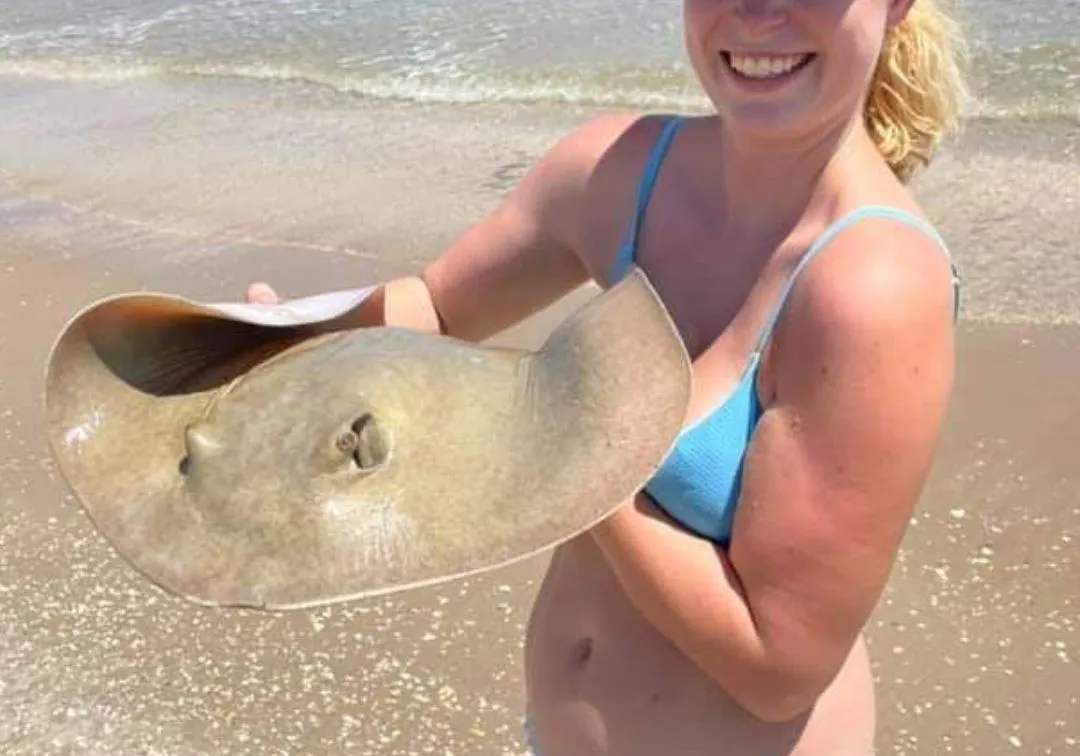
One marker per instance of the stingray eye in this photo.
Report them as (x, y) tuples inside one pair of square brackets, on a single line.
[(368, 445), (346, 443)]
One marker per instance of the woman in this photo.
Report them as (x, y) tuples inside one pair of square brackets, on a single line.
[(720, 611)]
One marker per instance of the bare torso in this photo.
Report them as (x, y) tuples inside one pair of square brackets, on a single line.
[(600, 679)]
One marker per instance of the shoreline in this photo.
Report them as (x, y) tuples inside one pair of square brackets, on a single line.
[(152, 171), (971, 648)]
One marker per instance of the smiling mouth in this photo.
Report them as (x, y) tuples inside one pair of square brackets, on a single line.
[(765, 66)]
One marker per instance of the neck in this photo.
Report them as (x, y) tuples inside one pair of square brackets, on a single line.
[(768, 181)]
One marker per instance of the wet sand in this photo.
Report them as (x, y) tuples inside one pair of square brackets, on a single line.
[(976, 640), (975, 643)]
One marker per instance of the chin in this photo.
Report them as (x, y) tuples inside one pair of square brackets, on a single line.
[(772, 122)]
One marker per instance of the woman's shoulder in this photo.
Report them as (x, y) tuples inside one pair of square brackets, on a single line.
[(879, 297), (875, 262), (582, 187), (601, 153), (612, 135)]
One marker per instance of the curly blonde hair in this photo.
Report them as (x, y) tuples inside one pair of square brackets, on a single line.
[(918, 89)]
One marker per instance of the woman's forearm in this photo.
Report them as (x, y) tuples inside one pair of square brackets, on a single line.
[(688, 590), (401, 302)]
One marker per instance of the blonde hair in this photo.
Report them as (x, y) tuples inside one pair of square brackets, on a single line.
[(918, 87)]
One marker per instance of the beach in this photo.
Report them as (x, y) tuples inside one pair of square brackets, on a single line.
[(160, 177)]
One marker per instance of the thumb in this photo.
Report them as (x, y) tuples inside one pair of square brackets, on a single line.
[(261, 293)]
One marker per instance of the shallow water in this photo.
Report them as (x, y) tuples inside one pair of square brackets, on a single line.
[(589, 51)]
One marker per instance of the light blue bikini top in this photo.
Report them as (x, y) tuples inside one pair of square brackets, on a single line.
[(698, 485)]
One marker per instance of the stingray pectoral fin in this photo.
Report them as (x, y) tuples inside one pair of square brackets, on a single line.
[(598, 409), (329, 310), (617, 368)]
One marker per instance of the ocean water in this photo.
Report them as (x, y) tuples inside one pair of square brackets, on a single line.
[(621, 52), (165, 130)]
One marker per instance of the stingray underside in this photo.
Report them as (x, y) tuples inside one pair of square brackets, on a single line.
[(550, 447)]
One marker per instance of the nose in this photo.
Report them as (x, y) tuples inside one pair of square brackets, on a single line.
[(759, 18)]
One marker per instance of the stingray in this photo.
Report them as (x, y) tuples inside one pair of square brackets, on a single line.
[(275, 457)]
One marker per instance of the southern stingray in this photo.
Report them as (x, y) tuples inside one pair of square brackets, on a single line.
[(274, 457)]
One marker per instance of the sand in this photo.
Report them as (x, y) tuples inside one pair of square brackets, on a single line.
[(975, 642)]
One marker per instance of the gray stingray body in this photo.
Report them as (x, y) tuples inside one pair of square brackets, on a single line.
[(238, 461)]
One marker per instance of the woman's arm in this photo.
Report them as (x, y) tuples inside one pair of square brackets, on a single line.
[(863, 368)]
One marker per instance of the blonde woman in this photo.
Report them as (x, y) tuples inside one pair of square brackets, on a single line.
[(720, 611)]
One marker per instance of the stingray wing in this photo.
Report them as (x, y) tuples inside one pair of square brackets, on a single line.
[(547, 444)]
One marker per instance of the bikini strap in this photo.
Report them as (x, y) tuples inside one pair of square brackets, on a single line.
[(846, 221), (628, 249)]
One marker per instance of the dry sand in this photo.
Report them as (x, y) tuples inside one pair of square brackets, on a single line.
[(975, 643)]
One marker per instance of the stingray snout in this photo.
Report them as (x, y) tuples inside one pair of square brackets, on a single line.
[(199, 443)]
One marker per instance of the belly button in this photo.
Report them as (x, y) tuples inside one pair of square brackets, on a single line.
[(582, 651)]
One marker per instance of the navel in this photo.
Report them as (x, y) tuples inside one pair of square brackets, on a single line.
[(582, 652)]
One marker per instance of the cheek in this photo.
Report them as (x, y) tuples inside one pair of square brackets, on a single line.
[(854, 45), (699, 21), (861, 30)]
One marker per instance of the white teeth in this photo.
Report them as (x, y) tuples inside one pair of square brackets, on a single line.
[(761, 67)]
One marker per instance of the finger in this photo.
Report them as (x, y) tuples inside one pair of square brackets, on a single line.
[(261, 293)]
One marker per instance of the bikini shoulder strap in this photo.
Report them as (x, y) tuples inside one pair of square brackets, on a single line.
[(844, 222), (628, 249)]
